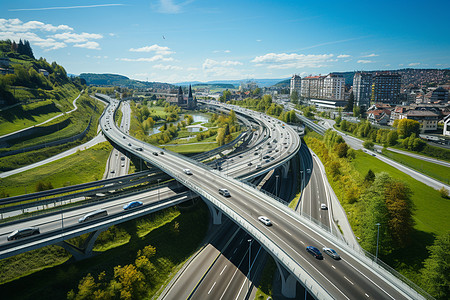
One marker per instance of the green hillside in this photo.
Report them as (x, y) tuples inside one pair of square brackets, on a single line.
[(120, 80)]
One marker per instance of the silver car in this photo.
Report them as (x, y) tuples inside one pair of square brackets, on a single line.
[(331, 253), (24, 232)]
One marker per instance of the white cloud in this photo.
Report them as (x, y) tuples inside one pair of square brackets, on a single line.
[(293, 60), (364, 61), (167, 67), (88, 45), (149, 59), (153, 48), (414, 64), (210, 63), (224, 51), (69, 37), (169, 7), (192, 69), (370, 55), (16, 25), (259, 41), (64, 7), (47, 44), (343, 56)]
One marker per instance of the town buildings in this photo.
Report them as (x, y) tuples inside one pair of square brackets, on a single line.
[(386, 88), (362, 89), (179, 99), (296, 83)]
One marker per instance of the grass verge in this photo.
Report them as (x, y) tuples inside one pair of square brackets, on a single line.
[(438, 172), (83, 166), (265, 284)]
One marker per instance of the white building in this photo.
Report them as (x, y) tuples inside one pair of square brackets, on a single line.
[(296, 84), (334, 87)]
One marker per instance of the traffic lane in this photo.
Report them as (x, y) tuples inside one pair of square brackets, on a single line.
[(227, 273), (192, 275), (322, 195), (216, 279), (282, 235), (53, 222)]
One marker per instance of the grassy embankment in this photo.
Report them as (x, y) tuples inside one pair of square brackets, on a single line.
[(83, 166), (176, 235), (78, 121), (430, 212), (438, 172)]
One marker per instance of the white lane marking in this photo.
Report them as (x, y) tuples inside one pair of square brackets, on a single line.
[(287, 232), (367, 295), (234, 251), (302, 242), (223, 269), (212, 287), (369, 279), (241, 241), (333, 267), (348, 280)]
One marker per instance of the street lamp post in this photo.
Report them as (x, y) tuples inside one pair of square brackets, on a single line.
[(158, 188), (250, 241), (276, 185), (378, 235)]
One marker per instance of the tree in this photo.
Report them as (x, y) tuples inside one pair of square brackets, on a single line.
[(256, 92), (370, 176), (400, 209), (131, 280), (436, 271), (407, 127), (341, 149), (356, 111), (392, 138), (349, 106), (294, 97)]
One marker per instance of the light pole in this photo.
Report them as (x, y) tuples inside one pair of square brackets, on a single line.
[(276, 185), (250, 242), (158, 188), (378, 235)]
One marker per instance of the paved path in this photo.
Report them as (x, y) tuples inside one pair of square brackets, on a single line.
[(51, 119)]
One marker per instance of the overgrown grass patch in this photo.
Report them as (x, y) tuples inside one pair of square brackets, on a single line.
[(192, 148), (265, 284), (83, 166)]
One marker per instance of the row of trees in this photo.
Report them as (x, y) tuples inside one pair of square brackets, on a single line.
[(17, 50), (227, 125), (405, 134), (376, 198)]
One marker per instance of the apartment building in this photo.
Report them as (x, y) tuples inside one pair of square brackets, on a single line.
[(362, 89)]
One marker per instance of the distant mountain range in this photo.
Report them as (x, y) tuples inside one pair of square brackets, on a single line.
[(236, 83), (120, 80)]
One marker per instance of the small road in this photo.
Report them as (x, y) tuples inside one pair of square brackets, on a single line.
[(356, 143)]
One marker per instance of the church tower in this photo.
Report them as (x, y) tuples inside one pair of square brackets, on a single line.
[(180, 97), (190, 99)]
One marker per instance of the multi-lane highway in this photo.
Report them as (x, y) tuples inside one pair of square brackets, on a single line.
[(348, 278)]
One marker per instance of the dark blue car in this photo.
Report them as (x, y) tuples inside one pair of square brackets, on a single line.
[(315, 252), (133, 204)]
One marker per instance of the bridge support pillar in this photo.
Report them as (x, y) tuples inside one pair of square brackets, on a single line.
[(86, 249), (288, 282), (285, 169), (216, 214)]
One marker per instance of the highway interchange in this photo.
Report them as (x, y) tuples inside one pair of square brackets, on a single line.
[(350, 278)]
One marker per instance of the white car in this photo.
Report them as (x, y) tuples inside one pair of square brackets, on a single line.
[(224, 192), (187, 171), (265, 220), (331, 253), (323, 206)]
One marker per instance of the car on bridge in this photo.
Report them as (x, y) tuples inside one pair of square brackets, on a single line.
[(187, 171), (331, 253), (132, 204), (323, 206), (224, 192), (315, 252), (93, 215), (21, 233), (265, 220)]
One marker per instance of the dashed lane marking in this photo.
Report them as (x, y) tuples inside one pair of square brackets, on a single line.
[(212, 287), (367, 295), (348, 280), (223, 269)]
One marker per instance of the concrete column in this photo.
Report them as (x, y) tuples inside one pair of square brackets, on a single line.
[(216, 214), (86, 250), (285, 169), (288, 282)]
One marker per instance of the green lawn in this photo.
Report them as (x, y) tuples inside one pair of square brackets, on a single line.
[(433, 170), (81, 167), (191, 148), (431, 210)]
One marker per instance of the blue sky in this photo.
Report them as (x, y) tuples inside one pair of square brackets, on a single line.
[(173, 41)]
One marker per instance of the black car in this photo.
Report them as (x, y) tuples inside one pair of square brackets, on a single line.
[(18, 234), (315, 252)]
